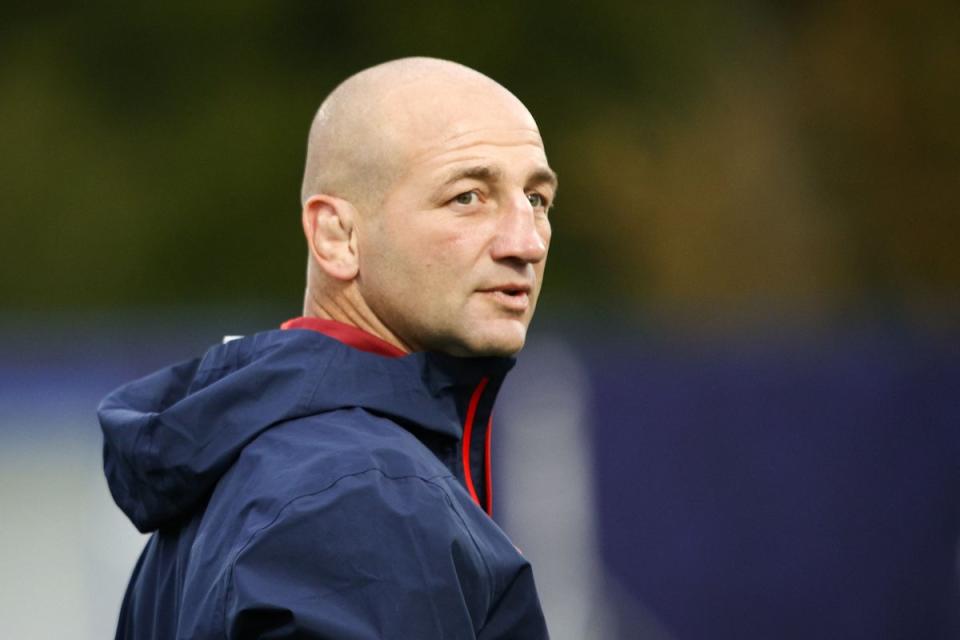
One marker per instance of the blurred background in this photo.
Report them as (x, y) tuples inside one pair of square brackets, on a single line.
[(739, 412)]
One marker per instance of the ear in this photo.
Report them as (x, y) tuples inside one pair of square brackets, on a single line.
[(328, 224)]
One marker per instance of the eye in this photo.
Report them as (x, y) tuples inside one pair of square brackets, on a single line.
[(537, 200), (466, 198)]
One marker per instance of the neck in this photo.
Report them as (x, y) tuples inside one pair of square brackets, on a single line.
[(348, 307)]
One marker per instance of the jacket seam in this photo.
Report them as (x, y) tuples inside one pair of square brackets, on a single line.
[(496, 602), (431, 480), (476, 546)]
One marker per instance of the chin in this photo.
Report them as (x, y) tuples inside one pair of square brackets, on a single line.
[(497, 340)]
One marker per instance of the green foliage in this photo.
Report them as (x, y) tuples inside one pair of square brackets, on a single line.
[(712, 160)]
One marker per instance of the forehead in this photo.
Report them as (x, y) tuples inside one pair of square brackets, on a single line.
[(478, 143), (507, 153), (437, 121)]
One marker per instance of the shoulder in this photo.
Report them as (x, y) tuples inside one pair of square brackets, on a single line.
[(301, 461), (366, 512), (306, 455), (345, 520), (368, 547), (357, 482)]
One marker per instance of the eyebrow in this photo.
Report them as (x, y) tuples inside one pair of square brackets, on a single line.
[(481, 173), (485, 173), (545, 176)]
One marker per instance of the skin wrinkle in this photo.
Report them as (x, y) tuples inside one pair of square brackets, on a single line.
[(535, 141), (387, 253), (485, 172)]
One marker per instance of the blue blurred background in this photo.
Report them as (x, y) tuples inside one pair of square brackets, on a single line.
[(738, 415)]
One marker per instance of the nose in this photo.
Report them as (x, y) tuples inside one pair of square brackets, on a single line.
[(522, 233)]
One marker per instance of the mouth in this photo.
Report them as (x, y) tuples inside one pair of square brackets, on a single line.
[(515, 297)]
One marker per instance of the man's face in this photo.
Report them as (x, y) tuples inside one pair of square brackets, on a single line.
[(453, 260)]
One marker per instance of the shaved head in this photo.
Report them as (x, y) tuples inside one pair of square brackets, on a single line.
[(374, 121), (425, 200)]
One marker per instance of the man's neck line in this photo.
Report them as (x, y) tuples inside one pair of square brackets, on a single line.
[(348, 334)]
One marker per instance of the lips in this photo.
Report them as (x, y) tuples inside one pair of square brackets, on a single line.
[(513, 296)]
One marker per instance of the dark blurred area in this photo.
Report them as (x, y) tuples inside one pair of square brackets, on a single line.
[(798, 160), (756, 264)]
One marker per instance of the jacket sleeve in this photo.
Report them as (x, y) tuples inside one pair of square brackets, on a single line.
[(370, 557)]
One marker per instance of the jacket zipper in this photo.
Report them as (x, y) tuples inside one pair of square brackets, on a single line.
[(465, 450)]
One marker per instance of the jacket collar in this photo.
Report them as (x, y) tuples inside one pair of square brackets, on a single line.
[(347, 334), (169, 437), (444, 377), (432, 390)]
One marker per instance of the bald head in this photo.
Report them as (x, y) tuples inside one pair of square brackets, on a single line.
[(425, 202), (375, 121)]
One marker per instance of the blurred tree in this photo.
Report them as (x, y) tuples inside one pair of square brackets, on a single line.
[(716, 163)]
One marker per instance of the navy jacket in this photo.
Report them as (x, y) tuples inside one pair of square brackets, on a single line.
[(298, 487)]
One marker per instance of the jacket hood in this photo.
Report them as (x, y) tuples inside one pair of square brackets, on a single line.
[(169, 437)]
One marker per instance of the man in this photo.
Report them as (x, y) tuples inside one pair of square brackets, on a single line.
[(332, 479)]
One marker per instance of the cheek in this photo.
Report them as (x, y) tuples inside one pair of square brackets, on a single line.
[(452, 250), (424, 268), (433, 252)]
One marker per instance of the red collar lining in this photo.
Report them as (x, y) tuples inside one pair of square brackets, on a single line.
[(347, 334), (465, 450), (360, 339)]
